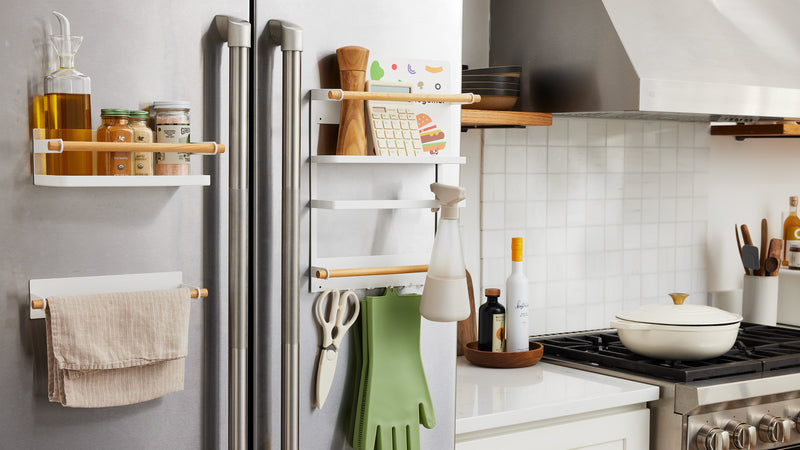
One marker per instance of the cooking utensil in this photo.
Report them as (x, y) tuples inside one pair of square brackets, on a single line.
[(739, 247), (465, 331), (773, 263), (762, 248), (677, 331), (746, 235), (750, 258), (333, 330), (352, 138)]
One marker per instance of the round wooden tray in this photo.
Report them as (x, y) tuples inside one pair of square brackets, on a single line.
[(503, 360)]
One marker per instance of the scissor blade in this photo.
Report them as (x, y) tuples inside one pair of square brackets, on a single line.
[(325, 371)]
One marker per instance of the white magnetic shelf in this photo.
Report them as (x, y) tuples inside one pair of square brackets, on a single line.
[(40, 148), (348, 159), (117, 181), (374, 204)]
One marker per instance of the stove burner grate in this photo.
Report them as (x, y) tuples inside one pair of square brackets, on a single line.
[(759, 348)]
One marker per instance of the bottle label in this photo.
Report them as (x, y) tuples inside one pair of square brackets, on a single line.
[(521, 308), (498, 332), (789, 254), (790, 236)]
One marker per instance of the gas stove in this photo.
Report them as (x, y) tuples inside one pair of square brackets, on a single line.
[(748, 398)]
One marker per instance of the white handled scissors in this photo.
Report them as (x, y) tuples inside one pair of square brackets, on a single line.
[(333, 330)]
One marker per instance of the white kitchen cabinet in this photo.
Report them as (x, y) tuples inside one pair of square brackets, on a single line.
[(617, 429), (549, 407)]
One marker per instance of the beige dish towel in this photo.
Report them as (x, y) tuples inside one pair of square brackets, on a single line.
[(116, 349)]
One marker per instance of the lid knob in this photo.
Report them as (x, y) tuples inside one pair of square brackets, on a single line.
[(678, 298)]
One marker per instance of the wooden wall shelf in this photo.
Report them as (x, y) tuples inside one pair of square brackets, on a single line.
[(475, 118), (757, 130)]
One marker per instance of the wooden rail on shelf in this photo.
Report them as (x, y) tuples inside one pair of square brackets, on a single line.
[(757, 130), (81, 146), (366, 271), (337, 94), (480, 117)]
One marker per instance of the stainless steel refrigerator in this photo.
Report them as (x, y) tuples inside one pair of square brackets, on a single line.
[(138, 52)]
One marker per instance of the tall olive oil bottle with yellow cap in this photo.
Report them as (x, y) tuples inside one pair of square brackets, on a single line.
[(517, 302)]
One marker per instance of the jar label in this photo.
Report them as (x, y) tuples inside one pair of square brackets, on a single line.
[(498, 332), (172, 163), (174, 133)]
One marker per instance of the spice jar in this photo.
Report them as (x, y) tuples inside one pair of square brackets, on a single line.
[(115, 128), (142, 134), (172, 126), (794, 257)]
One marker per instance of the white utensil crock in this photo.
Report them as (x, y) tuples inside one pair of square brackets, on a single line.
[(760, 299)]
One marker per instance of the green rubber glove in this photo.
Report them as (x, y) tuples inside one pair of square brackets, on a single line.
[(395, 396)]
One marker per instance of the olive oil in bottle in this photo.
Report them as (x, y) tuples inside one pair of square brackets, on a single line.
[(67, 106)]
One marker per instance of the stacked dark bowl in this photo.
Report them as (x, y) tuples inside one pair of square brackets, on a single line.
[(498, 86)]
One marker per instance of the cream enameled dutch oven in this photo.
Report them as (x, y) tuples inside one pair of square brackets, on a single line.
[(677, 331)]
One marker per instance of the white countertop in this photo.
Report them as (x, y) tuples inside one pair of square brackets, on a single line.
[(490, 398)]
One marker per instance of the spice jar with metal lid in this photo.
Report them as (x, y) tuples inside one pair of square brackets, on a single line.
[(142, 134), (115, 128), (794, 256), (172, 126)]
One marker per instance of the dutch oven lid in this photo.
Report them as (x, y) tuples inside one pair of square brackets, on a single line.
[(680, 314)]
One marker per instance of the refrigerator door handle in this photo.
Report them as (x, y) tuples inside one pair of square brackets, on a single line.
[(290, 38), (237, 33)]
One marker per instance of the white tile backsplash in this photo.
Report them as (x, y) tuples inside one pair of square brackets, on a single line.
[(613, 213)]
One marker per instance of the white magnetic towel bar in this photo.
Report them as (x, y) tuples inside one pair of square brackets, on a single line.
[(41, 289)]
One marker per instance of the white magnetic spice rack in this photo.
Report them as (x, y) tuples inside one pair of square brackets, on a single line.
[(371, 271), (40, 289), (42, 147)]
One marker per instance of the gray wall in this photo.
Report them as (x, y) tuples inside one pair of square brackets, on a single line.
[(134, 53)]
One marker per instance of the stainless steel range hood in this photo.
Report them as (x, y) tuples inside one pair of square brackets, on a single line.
[(728, 60)]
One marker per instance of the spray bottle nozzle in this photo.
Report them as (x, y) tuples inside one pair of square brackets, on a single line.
[(448, 196)]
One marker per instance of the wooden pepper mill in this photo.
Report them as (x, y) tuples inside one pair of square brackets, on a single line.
[(352, 71)]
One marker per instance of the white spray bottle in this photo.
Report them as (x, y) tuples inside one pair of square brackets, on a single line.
[(445, 297)]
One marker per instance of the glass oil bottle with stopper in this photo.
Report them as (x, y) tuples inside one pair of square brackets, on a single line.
[(67, 106), (791, 229)]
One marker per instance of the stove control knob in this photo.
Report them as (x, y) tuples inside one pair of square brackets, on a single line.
[(713, 438), (742, 435), (774, 429)]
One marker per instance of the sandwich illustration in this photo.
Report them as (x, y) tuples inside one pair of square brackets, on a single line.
[(430, 135)]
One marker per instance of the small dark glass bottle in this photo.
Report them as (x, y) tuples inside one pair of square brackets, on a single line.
[(492, 323)]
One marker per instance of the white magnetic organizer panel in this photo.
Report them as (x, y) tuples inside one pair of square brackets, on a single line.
[(42, 288)]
